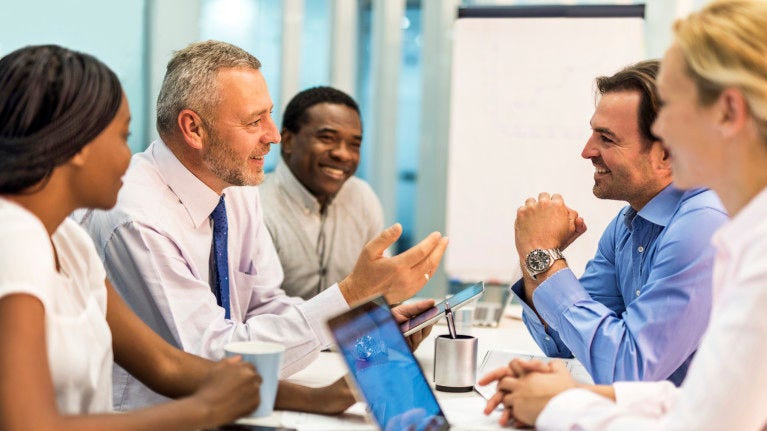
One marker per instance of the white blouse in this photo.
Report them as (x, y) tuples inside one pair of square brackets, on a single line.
[(78, 338)]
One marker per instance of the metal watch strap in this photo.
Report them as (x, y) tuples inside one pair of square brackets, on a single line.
[(554, 255)]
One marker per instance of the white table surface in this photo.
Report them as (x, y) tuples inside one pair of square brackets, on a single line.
[(510, 334)]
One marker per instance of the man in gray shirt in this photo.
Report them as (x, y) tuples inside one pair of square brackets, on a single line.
[(318, 214)]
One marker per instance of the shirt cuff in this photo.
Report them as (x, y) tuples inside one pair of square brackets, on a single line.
[(518, 289), (556, 294), (319, 309), (649, 399), (533, 323)]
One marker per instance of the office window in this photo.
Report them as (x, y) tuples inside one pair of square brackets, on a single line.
[(315, 44), (408, 110), (90, 26)]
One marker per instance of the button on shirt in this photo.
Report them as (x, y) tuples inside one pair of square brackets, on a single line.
[(156, 245), (317, 248), (726, 387), (643, 302)]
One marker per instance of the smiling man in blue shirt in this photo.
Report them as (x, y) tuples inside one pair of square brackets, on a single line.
[(643, 302)]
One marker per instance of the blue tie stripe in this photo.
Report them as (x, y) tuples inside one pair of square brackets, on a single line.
[(220, 241)]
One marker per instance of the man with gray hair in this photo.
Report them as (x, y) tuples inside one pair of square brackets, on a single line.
[(186, 245)]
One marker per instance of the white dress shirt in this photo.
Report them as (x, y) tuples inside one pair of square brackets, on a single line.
[(726, 385), (77, 337), (156, 246)]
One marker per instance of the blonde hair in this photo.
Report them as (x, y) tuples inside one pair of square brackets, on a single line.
[(725, 45), (190, 80)]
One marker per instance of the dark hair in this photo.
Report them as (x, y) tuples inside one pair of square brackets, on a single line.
[(639, 77), (295, 112), (53, 101)]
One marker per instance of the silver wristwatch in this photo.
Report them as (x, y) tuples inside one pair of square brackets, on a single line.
[(540, 260)]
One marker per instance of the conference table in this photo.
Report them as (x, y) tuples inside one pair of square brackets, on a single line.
[(463, 410)]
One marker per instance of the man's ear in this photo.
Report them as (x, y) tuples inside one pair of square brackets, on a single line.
[(733, 112), (286, 144), (192, 130), (660, 155)]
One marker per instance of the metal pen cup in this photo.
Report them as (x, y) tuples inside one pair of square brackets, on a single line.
[(455, 363)]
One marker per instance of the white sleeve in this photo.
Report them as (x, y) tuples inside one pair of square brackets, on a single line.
[(651, 399), (639, 407), (26, 257), (282, 316), (150, 268)]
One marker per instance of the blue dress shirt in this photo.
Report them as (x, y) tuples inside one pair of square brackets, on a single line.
[(643, 303)]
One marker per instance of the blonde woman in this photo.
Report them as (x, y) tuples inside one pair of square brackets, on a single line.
[(713, 87)]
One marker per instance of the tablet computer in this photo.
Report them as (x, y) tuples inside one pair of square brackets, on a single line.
[(384, 370), (435, 313)]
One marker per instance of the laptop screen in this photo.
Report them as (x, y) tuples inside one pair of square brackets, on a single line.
[(386, 372)]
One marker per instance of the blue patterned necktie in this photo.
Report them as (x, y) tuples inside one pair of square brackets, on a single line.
[(220, 259)]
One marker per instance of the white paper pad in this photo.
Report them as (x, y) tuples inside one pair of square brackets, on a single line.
[(353, 419), (501, 358)]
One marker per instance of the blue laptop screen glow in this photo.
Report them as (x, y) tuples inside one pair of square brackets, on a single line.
[(386, 372)]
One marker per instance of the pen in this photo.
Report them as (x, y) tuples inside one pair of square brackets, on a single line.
[(450, 322)]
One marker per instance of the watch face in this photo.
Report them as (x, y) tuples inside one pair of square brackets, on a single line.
[(538, 260)]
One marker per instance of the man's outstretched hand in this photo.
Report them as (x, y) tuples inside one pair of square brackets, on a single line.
[(398, 277)]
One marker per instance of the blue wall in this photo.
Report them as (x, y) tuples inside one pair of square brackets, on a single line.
[(113, 31)]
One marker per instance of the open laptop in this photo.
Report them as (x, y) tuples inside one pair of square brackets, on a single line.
[(489, 309), (384, 369)]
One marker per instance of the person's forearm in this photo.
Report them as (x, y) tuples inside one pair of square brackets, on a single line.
[(189, 374), (291, 396), (330, 400), (187, 414)]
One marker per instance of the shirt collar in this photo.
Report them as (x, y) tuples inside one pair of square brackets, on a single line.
[(295, 190), (734, 234), (198, 199), (662, 207)]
